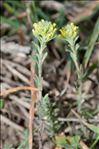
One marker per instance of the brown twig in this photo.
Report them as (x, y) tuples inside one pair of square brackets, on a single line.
[(33, 97), (31, 117), (31, 112), (15, 89), (83, 121)]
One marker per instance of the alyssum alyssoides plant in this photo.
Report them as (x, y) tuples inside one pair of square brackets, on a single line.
[(43, 31), (70, 34)]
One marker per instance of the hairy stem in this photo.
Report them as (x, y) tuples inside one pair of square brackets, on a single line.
[(40, 97), (79, 74), (79, 98)]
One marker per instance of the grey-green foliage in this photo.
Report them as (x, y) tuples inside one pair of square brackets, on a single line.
[(43, 31), (94, 128), (68, 142), (89, 70), (50, 114), (45, 109), (38, 57), (70, 34), (24, 142), (7, 146), (73, 50)]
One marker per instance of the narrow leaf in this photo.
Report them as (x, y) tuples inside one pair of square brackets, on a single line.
[(36, 47), (1, 103), (44, 57), (94, 128), (92, 41), (13, 23), (90, 70)]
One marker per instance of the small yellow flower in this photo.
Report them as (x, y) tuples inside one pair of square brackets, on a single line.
[(44, 30), (69, 31)]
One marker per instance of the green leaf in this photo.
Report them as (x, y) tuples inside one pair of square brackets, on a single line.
[(95, 142), (45, 98), (60, 20), (1, 103), (67, 141), (7, 146), (90, 70), (60, 141), (13, 23), (17, 4), (42, 14), (44, 56), (94, 128), (33, 11), (46, 103), (37, 81), (24, 142), (36, 47), (36, 58), (92, 41), (8, 7)]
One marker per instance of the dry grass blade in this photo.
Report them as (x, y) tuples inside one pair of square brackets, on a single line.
[(12, 90), (13, 48), (10, 123), (92, 127), (85, 12), (83, 145), (52, 5), (17, 73)]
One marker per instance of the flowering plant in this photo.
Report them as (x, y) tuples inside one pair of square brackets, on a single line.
[(70, 31), (44, 30), (70, 34)]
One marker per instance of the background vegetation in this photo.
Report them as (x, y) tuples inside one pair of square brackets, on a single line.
[(73, 129)]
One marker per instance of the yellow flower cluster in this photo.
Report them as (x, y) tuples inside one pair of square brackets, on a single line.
[(69, 31), (44, 30)]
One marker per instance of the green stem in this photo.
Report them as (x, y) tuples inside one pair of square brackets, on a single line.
[(79, 74), (94, 143), (40, 71), (79, 98), (39, 102)]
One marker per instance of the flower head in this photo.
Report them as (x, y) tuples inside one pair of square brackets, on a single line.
[(69, 31), (44, 30)]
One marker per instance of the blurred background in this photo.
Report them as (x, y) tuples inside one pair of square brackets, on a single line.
[(17, 18)]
